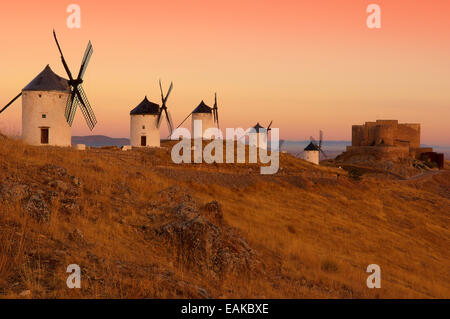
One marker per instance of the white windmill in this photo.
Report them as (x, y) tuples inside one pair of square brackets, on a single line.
[(259, 135), (146, 121), (312, 152), (206, 115), (49, 104)]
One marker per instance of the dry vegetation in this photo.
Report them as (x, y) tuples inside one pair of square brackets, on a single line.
[(142, 227)]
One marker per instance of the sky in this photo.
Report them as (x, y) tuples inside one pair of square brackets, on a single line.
[(307, 65)]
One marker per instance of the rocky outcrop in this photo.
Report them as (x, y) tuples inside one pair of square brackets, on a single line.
[(200, 237), (37, 196)]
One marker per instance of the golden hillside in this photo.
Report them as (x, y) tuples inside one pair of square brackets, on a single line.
[(142, 227)]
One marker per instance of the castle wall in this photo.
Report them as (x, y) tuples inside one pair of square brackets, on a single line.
[(378, 152), (358, 133), (384, 134), (409, 132), (369, 138)]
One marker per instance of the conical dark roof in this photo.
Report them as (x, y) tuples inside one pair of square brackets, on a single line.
[(146, 107), (202, 108), (311, 147), (47, 80), (258, 128)]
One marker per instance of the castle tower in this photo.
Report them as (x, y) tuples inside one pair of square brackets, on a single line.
[(144, 131), (202, 113), (311, 154), (43, 110)]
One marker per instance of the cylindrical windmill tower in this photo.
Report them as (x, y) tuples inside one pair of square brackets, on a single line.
[(258, 138), (311, 153), (144, 131), (43, 110), (202, 113)]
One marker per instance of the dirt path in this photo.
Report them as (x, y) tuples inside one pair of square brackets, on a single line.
[(423, 176)]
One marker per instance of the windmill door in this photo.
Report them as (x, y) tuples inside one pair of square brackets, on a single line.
[(44, 135), (143, 140)]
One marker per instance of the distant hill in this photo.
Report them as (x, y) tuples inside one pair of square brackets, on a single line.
[(100, 141)]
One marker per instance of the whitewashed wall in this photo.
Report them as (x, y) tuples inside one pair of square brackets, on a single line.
[(207, 122), (311, 156), (149, 121), (53, 104)]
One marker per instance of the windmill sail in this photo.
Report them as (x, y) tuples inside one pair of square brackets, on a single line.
[(78, 97), (164, 108), (10, 103)]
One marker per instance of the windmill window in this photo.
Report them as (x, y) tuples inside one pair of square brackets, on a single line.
[(40, 95), (44, 116), (143, 127)]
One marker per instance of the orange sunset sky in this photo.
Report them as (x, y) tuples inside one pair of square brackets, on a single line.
[(305, 64)]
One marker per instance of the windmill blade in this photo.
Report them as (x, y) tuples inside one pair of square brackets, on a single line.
[(85, 61), (86, 108), (323, 153), (66, 67), (162, 93), (71, 107), (217, 118), (184, 120), (269, 127), (158, 121), (168, 92), (11, 102), (216, 111), (169, 121)]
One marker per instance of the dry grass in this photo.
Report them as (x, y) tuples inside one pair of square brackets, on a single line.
[(313, 233)]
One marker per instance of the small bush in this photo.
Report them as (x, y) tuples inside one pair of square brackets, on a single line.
[(355, 174), (329, 266)]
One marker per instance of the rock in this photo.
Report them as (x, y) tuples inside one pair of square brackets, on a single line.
[(37, 208), (203, 240), (214, 211), (54, 170), (59, 185), (15, 192), (70, 205), (76, 181), (77, 236), (25, 293)]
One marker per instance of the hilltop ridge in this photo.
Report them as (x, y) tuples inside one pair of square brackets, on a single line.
[(141, 226)]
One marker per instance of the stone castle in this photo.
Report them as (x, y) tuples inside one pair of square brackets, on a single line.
[(387, 139)]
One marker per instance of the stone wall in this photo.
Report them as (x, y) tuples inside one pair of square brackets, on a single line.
[(386, 132)]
